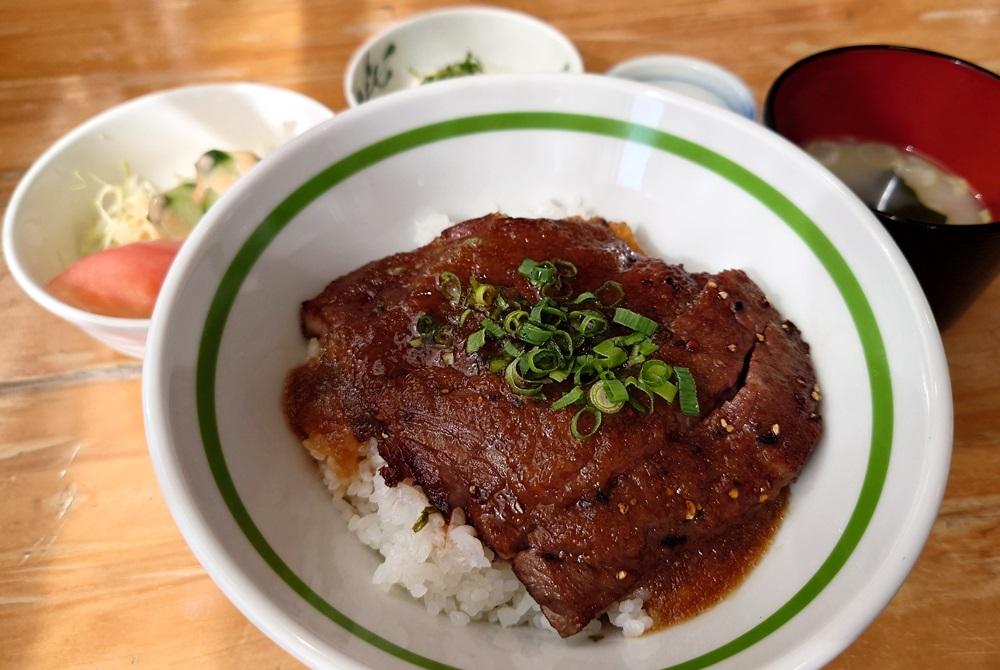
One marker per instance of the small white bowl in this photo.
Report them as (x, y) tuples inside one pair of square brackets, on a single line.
[(505, 41), (693, 77), (159, 136)]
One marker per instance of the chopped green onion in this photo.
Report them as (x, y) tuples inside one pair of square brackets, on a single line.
[(544, 315), (610, 293), (583, 297), (586, 371), (539, 274), (513, 320), (512, 349), (562, 344), (492, 328), (562, 341), (654, 372), (481, 295), (498, 364), (476, 341), (654, 377), (451, 286), (637, 405), (574, 426), (666, 390), (570, 397), (613, 355), (630, 339), (606, 347), (517, 383), (598, 397), (416, 341), (424, 517), (565, 268), (589, 322), (557, 289), (526, 267), (615, 390), (544, 273), (540, 362), (619, 357), (635, 321), (533, 334), (634, 357), (648, 347), (559, 375), (688, 392)]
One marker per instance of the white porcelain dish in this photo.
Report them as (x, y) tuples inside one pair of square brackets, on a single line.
[(504, 41), (159, 136), (690, 76), (700, 186)]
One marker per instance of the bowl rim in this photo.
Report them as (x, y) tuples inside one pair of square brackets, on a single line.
[(38, 292), (485, 11), (710, 71), (769, 120), (252, 601)]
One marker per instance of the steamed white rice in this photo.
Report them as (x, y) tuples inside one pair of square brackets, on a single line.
[(445, 566)]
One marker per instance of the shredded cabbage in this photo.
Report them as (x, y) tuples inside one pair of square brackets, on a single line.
[(121, 213)]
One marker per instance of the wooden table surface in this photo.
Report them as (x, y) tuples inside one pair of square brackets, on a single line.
[(93, 572)]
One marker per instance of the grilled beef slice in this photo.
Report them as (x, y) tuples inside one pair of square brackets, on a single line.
[(584, 523)]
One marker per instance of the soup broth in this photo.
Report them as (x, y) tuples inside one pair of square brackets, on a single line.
[(900, 182)]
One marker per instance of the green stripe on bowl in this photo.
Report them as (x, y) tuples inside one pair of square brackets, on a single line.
[(850, 290)]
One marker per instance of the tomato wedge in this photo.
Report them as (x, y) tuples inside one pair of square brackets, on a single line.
[(121, 281)]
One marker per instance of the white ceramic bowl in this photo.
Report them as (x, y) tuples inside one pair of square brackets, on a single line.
[(505, 41), (694, 77), (701, 186), (160, 136)]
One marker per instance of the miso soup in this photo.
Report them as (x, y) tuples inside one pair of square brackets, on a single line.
[(900, 182)]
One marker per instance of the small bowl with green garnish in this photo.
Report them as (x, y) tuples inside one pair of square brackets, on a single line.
[(458, 42)]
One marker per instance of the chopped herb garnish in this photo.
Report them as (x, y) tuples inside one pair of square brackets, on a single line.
[(539, 274), (635, 321), (517, 383), (595, 416), (533, 333), (601, 398), (476, 341), (610, 293), (471, 65), (481, 295), (571, 397), (563, 340), (425, 516), (689, 395), (451, 286)]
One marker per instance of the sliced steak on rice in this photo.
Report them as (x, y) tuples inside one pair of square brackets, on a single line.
[(584, 523)]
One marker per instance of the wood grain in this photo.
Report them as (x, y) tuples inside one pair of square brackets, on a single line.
[(93, 573)]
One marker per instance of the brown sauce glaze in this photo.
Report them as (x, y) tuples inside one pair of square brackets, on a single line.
[(701, 574)]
